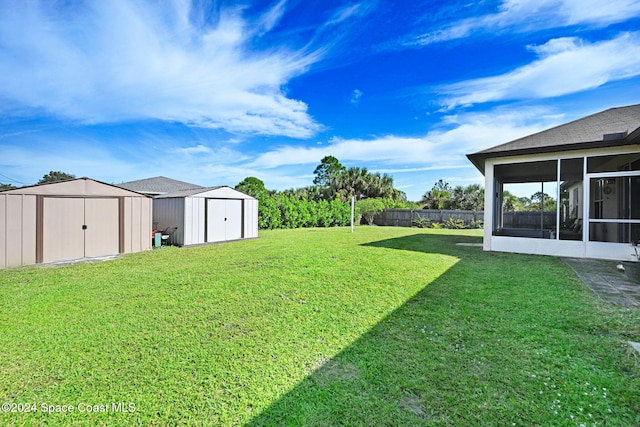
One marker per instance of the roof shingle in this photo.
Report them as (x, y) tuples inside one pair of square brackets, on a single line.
[(611, 127), (158, 185)]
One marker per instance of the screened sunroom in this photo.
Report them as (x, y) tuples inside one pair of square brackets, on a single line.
[(554, 194)]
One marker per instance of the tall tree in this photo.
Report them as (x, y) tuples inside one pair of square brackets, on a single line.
[(328, 169), (539, 199), (253, 187), (524, 205), (4, 187), (56, 176)]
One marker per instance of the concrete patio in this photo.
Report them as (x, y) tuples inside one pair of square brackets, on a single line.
[(605, 280)]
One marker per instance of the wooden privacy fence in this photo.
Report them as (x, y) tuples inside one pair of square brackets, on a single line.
[(533, 220), (406, 217)]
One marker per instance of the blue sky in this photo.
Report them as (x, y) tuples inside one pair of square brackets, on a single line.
[(211, 92)]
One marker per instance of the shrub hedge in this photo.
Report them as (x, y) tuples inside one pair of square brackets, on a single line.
[(285, 211)]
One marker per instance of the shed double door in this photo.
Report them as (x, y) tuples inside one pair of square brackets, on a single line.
[(224, 220), (75, 228)]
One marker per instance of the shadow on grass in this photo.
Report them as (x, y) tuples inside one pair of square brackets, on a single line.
[(406, 370), (495, 340), (444, 244)]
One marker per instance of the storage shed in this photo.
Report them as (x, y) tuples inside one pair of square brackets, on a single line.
[(71, 220), (206, 215)]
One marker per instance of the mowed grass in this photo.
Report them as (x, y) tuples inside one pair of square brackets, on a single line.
[(320, 327)]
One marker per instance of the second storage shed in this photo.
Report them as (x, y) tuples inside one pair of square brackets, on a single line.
[(206, 215), (71, 220)]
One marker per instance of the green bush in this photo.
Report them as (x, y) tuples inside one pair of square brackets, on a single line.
[(421, 222), (268, 213), (369, 208), (454, 223), (476, 224), (288, 211)]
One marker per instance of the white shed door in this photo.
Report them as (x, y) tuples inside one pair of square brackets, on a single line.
[(224, 220), (75, 228), (234, 220)]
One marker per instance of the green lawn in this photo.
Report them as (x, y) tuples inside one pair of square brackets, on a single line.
[(385, 326)]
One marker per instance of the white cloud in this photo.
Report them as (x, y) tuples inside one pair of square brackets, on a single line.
[(198, 149), (415, 162), (564, 66), (119, 60), (355, 96), (438, 149), (344, 14), (270, 19), (599, 12), (534, 15)]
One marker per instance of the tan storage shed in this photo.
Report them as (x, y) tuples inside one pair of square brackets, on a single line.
[(207, 215), (71, 220)]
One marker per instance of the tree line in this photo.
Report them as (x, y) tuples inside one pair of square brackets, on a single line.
[(48, 178), (444, 196), (334, 181), (326, 203)]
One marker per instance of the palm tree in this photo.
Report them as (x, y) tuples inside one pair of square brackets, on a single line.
[(474, 197), (380, 186), (436, 197), (352, 182)]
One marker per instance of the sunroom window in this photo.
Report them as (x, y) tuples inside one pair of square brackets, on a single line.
[(525, 202), (526, 199)]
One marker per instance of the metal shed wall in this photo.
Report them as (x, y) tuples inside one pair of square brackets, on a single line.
[(137, 224), (34, 222), (191, 212), (194, 220), (17, 230), (170, 213), (250, 219)]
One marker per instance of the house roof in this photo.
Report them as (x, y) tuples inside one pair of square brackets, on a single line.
[(158, 185), (610, 128)]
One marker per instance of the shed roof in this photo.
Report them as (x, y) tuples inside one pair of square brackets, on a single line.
[(76, 187), (609, 128), (223, 192), (158, 185)]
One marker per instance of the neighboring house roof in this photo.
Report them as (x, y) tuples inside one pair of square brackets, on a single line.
[(158, 185), (212, 192), (610, 128)]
